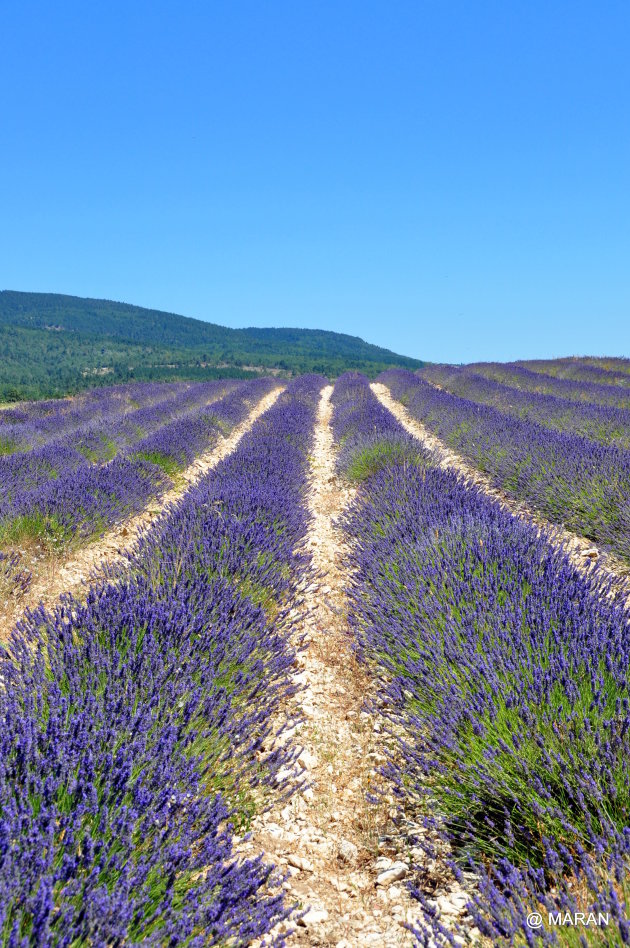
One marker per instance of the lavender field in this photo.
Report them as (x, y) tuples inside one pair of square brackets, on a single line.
[(353, 682)]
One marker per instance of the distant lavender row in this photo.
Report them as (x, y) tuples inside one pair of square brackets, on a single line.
[(571, 480), (511, 373), (100, 439), (142, 422), (133, 726), (505, 676), (581, 370), (49, 411), (603, 423), (369, 437), (86, 499), (33, 423), (610, 363)]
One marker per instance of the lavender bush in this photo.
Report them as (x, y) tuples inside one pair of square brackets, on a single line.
[(505, 673), (133, 725), (610, 363)]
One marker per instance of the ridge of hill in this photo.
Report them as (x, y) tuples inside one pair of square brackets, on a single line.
[(52, 344)]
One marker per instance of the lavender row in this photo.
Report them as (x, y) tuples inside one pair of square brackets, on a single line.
[(610, 363), (89, 499), (517, 376), (131, 745), (369, 438), (135, 426), (49, 416), (583, 370), (34, 423), (603, 423), (571, 480), (505, 676), (110, 435)]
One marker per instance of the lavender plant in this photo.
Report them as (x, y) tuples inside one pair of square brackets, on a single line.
[(610, 363), (98, 439), (369, 437)]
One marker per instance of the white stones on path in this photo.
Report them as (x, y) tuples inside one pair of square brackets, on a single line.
[(395, 872), (327, 837)]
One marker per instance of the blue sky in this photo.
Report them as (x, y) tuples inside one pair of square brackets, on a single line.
[(448, 179)]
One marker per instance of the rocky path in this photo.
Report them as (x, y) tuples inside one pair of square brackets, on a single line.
[(333, 843), (582, 552), (54, 576)]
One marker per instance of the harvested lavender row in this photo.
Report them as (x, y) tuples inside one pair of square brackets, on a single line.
[(603, 423), (507, 683), (88, 499), (132, 725), (34, 423), (514, 374), (571, 480)]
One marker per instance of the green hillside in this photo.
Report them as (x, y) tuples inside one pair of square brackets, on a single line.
[(51, 344)]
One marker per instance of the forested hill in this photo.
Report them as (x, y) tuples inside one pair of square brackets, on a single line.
[(51, 344)]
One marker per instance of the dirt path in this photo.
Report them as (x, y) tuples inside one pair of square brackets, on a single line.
[(329, 838), (582, 552), (54, 576)]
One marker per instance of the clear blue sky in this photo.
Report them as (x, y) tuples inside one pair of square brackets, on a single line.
[(448, 179)]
